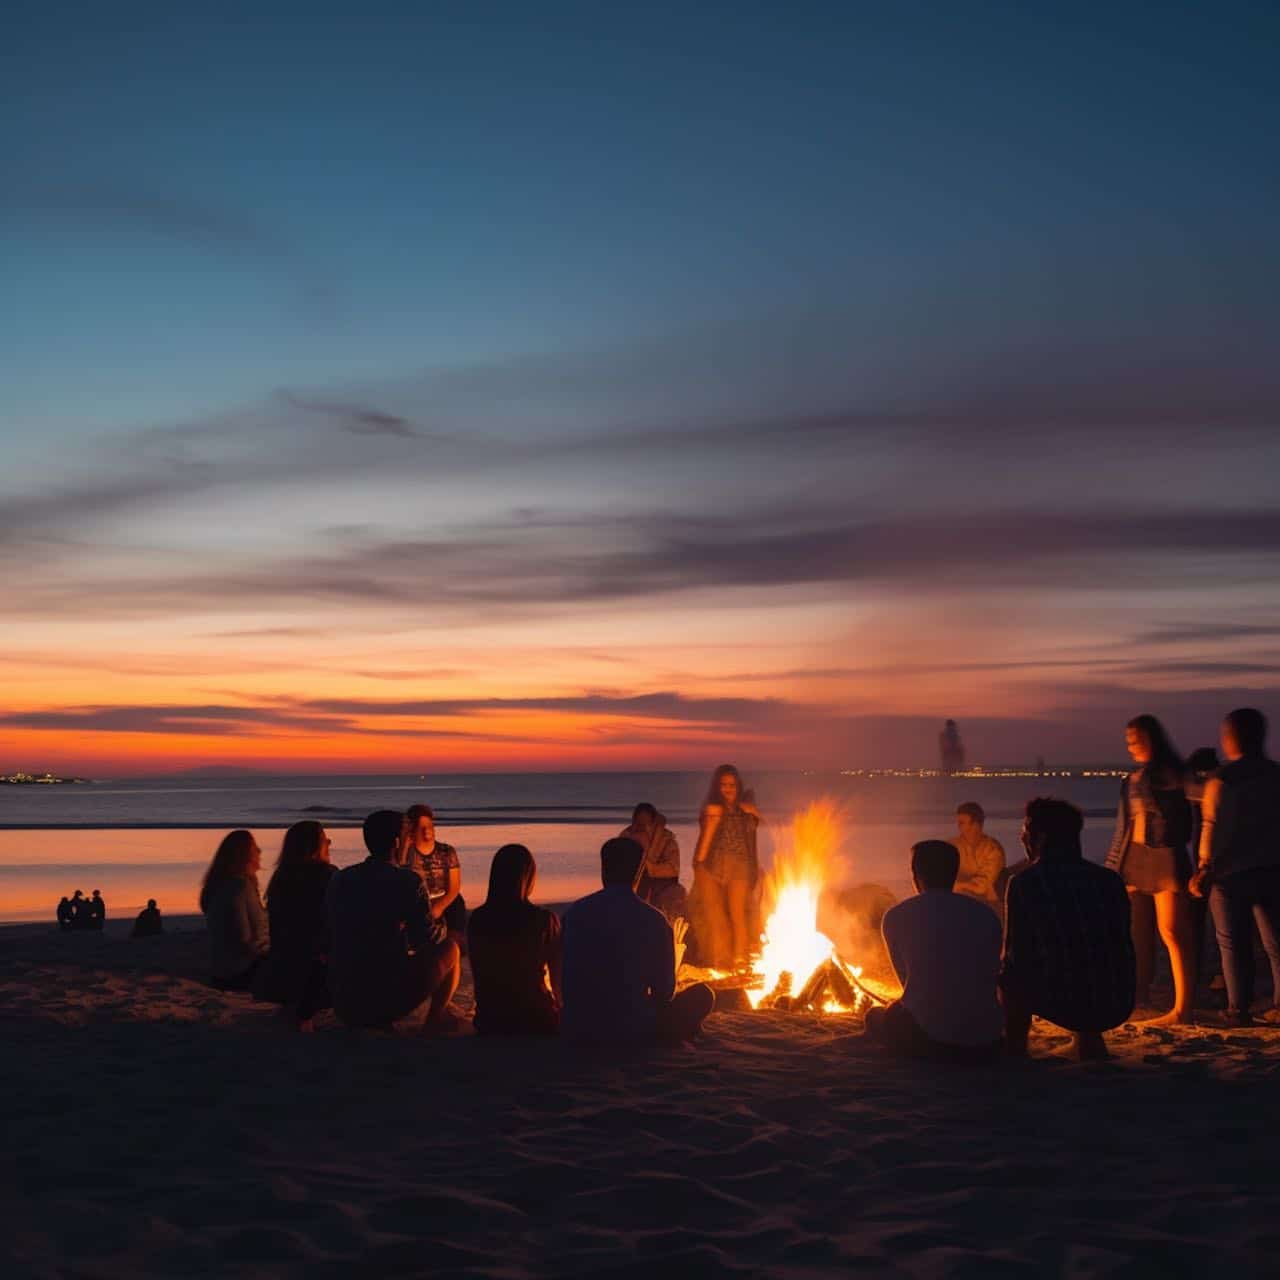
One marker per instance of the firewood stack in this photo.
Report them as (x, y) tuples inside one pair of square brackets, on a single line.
[(831, 980)]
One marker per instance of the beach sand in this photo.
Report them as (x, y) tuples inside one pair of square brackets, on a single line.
[(154, 1126)]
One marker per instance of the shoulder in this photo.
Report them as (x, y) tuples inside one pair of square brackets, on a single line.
[(444, 850), (712, 810)]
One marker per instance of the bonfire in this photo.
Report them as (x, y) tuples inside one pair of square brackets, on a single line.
[(798, 967)]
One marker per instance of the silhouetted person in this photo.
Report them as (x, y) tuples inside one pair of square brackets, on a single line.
[(515, 952), (950, 748), (148, 923), (437, 863), (725, 869), (945, 949), (1240, 859), (96, 911), (981, 856), (1149, 850), (65, 914), (1068, 953), (1202, 764), (295, 972), (620, 964), (388, 954), (659, 884), (79, 910), (233, 911)]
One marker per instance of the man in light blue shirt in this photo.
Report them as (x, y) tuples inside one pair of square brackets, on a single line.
[(620, 964)]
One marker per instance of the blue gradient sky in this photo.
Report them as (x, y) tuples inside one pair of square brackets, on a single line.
[(484, 368)]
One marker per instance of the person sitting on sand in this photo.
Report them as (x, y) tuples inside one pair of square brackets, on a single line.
[(233, 911), (148, 923), (1239, 859), (65, 914), (437, 865), (97, 911), (945, 949), (620, 964), (981, 856), (295, 972), (515, 952), (388, 954), (1068, 951), (659, 884)]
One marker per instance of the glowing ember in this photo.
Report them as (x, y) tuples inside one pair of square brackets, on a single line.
[(797, 962)]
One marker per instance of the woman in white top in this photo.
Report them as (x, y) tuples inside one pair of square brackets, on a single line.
[(233, 911)]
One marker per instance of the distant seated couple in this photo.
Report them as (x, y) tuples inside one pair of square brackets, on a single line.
[(1067, 952), (607, 977)]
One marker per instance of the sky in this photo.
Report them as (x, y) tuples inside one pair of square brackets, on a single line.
[(500, 386)]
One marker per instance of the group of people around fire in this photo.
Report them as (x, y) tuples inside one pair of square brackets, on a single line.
[(979, 950)]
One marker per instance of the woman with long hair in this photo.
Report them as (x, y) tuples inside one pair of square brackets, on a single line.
[(726, 868), (295, 974), (515, 952), (232, 906), (1149, 850)]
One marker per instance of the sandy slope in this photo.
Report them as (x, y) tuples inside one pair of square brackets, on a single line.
[(154, 1126)]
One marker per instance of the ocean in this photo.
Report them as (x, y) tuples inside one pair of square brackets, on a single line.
[(152, 838)]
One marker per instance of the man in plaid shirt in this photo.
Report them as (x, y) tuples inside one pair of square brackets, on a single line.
[(1068, 953)]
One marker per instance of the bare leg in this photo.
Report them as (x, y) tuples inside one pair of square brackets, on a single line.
[(715, 918), (1173, 913), (737, 892), (446, 970), (1143, 926)]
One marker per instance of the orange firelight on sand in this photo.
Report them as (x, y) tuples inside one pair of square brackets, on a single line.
[(798, 965)]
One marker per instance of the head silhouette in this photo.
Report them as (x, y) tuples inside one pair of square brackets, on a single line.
[(511, 876), (151, 904), (1051, 830), (235, 858), (1244, 732), (620, 862), (935, 865), (382, 832)]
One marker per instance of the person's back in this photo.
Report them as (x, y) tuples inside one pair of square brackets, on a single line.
[(376, 912), (237, 924), (1068, 938), (97, 911), (296, 914), (945, 947), (619, 959), (1246, 817), (64, 913), (148, 923), (511, 949)]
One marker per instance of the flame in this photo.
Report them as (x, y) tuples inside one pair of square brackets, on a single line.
[(792, 944)]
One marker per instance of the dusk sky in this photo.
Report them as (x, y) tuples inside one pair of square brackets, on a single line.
[(430, 386)]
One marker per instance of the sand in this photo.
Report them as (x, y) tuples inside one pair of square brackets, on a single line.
[(153, 1126)]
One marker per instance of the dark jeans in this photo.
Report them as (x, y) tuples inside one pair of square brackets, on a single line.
[(895, 1028), (1238, 902)]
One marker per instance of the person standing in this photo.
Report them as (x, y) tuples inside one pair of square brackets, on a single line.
[(1068, 950), (1149, 851), (232, 906), (659, 884), (1239, 859), (436, 863), (726, 867), (97, 911), (65, 914), (981, 856), (515, 952)]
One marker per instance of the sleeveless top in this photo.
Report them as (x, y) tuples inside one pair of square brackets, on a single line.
[(734, 844)]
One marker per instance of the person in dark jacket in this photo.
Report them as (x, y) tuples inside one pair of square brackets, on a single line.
[(148, 923), (1239, 864), (388, 953), (97, 911), (295, 972), (1068, 952), (1149, 850), (65, 914), (515, 952)]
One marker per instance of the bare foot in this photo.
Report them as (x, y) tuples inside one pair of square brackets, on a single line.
[(1174, 1018), (1090, 1047)]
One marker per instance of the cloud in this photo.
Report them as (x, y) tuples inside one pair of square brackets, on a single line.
[(356, 419)]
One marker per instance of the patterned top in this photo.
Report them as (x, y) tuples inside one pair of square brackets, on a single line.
[(434, 867), (1150, 814), (1067, 946), (732, 854)]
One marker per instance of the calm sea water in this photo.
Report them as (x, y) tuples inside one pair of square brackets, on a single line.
[(152, 838)]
